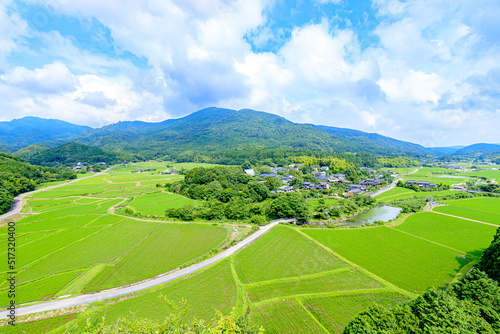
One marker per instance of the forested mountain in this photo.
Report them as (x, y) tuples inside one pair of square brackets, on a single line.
[(18, 176), (447, 150), (25, 131), (214, 130), (72, 153), (29, 151), (479, 151), (372, 139)]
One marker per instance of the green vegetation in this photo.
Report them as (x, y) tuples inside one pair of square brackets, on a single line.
[(486, 209), (282, 253), (336, 312), (17, 176), (490, 262), (386, 252), (72, 153)]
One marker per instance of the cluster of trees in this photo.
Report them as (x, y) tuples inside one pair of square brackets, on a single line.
[(398, 162), (227, 193), (338, 162), (72, 153), (342, 207), (472, 305), (18, 176), (414, 187)]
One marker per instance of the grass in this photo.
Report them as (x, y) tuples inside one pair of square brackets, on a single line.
[(394, 192), (38, 326), (491, 174), (348, 279), (159, 202), (485, 209), (204, 293), (287, 316), (280, 253), (39, 290), (407, 261), (467, 236), (336, 312), (420, 194), (146, 259)]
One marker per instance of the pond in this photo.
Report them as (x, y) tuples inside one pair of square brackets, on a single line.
[(379, 212)]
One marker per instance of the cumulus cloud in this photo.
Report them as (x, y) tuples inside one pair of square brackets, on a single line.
[(431, 70)]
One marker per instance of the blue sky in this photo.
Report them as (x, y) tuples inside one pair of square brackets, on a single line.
[(426, 71)]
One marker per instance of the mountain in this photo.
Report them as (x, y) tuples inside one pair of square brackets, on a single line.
[(72, 153), (479, 150), (214, 130), (374, 138), (29, 151), (26, 131), (447, 150)]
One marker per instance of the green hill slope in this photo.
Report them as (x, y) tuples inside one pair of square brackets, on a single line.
[(72, 153)]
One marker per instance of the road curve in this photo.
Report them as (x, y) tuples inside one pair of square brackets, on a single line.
[(117, 292), (17, 204)]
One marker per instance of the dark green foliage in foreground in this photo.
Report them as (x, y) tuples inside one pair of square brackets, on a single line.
[(174, 323), (18, 176), (490, 262), (472, 306), (72, 153)]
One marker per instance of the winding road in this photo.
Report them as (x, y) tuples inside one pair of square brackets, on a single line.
[(121, 291), (17, 204)]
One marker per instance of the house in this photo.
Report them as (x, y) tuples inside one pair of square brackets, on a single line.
[(138, 170), (250, 172), (421, 184), (174, 172), (78, 167), (319, 174), (287, 189), (90, 170), (308, 186), (371, 183), (166, 171), (323, 185), (324, 168), (101, 163), (287, 178), (356, 188)]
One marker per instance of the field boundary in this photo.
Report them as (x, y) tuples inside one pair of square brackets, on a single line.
[(387, 284), (472, 220)]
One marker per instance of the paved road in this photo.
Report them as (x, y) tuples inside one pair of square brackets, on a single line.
[(17, 204), (387, 188), (91, 298)]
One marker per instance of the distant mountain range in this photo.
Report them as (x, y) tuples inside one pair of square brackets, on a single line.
[(208, 131), (26, 131)]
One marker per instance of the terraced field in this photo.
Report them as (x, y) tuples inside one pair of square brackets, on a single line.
[(291, 280), (72, 242)]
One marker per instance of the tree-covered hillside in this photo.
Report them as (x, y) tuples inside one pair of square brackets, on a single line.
[(212, 131), (18, 176), (72, 153), (26, 131)]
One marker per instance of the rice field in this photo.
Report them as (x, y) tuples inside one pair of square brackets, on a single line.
[(485, 209), (72, 242), (281, 253), (407, 261), (334, 313)]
